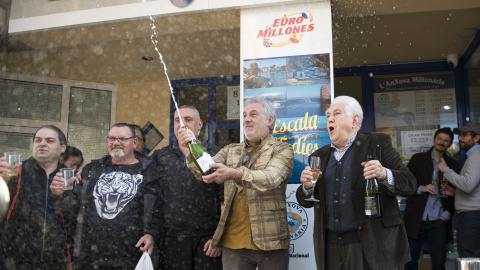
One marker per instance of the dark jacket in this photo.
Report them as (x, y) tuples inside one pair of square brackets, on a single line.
[(146, 201), (422, 167), (190, 207), (383, 240), (23, 238)]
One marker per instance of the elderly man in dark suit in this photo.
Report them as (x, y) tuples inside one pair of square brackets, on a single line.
[(344, 238)]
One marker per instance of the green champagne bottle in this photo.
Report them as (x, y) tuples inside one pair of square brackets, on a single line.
[(372, 197), (201, 157)]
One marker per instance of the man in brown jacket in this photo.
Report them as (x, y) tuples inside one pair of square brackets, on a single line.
[(253, 229)]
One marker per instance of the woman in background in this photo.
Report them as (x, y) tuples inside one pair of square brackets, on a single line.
[(72, 158)]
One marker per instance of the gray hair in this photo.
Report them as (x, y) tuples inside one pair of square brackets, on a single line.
[(268, 108), (352, 107), (129, 126), (191, 107)]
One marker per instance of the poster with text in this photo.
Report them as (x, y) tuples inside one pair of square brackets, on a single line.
[(286, 57), (416, 141), (416, 100)]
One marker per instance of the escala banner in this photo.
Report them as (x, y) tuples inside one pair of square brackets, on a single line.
[(286, 56)]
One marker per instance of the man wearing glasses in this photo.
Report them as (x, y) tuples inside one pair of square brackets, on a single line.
[(467, 192), (119, 208), (253, 230)]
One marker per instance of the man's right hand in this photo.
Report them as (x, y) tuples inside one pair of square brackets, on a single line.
[(4, 169), (57, 184), (429, 188), (211, 252), (306, 178), (184, 137)]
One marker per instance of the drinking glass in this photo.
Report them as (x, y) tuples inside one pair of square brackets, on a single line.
[(69, 176), (14, 159), (315, 163), (444, 182)]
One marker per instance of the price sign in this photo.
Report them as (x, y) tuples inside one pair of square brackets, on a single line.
[(416, 141), (233, 103)]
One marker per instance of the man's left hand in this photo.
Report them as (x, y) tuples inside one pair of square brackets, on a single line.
[(222, 174), (57, 184), (374, 169), (211, 252), (447, 190), (442, 164), (147, 241)]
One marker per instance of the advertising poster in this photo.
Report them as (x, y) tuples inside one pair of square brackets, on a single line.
[(300, 225), (417, 100), (286, 55)]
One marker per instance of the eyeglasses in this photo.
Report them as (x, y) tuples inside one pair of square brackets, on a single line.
[(120, 140), (139, 138)]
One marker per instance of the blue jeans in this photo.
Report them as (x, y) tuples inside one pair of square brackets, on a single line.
[(436, 233), (468, 234)]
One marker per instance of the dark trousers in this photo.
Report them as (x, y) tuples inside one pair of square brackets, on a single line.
[(436, 233), (247, 259), (345, 257), (186, 253), (23, 263), (468, 234)]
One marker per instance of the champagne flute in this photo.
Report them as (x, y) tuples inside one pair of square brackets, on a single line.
[(315, 163), (435, 183), (444, 182)]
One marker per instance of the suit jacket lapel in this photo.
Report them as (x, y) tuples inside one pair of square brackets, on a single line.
[(361, 145)]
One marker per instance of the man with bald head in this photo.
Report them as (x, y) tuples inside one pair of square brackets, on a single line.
[(191, 209)]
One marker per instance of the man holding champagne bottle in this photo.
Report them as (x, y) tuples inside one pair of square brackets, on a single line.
[(345, 236), (191, 209), (253, 230), (427, 214)]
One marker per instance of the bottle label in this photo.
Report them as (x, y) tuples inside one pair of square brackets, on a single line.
[(204, 162), (371, 205)]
